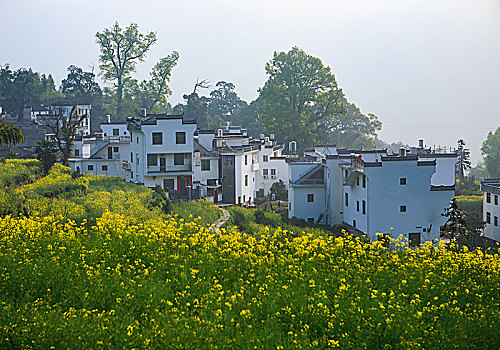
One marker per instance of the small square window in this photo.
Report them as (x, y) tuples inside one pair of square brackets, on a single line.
[(205, 165), (265, 172), (180, 138), (77, 152), (116, 149), (402, 208), (104, 168), (273, 172), (116, 132), (90, 167), (157, 138), (310, 197), (265, 158), (152, 160), (179, 159), (402, 181), (310, 220)]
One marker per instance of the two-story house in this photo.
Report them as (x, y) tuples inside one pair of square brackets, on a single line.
[(161, 153)]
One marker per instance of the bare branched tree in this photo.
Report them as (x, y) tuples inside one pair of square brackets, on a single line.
[(204, 84), (65, 129)]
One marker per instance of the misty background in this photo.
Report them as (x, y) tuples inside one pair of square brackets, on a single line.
[(427, 69)]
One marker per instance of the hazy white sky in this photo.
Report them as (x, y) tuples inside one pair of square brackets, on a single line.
[(427, 69)]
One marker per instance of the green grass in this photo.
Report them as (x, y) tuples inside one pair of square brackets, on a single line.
[(204, 212)]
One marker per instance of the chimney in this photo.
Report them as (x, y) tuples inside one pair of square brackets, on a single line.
[(421, 144), (143, 112), (262, 136), (292, 146), (109, 118), (271, 136), (220, 132), (402, 152)]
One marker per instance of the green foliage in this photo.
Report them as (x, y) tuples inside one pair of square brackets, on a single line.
[(10, 134), (491, 151), (467, 186), (300, 98), (279, 190), (121, 49), (161, 201), (17, 172), (46, 153), (455, 225), (203, 212), (470, 203)]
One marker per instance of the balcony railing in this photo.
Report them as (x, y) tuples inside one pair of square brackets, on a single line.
[(169, 168)]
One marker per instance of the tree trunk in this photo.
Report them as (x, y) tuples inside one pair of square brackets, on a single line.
[(119, 93)]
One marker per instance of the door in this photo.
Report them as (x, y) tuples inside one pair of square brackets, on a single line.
[(110, 152), (163, 164), (184, 187)]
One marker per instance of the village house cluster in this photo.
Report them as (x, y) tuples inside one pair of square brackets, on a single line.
[(371, 191)]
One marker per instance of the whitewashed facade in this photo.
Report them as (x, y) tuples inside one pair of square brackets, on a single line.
[(491, 208), (161, 153), (374, 192)]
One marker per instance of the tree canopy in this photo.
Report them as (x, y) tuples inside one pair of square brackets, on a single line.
[(491, 151), (121, 49)]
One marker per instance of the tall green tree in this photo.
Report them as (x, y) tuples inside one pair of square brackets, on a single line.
[(224, 101), (121, 49), (463, 159), (354, 129), (491, 152), (156, 90), (300, 98), (80, 85)]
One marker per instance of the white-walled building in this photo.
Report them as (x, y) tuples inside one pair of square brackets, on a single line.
[(206, 167), (491, 208), (374, 192), (272, 166), (161, 153)]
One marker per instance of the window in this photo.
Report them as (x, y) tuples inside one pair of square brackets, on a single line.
[(488, 217), (205, 165), (179, 159), (265, 158), (346, 174), (168, 184), (116, 132), (137, 139), (265, 172), (357, 205), (246, 159), (90, 167), (364, 181), (354, 223), (115, 149), (77, 152), (364, 207), (310, 197), (402, 208), (273, 172), (157, 138), (104, 168), (246, 180), (496, 200), (488, 197), (414, 239), (152, 160), (357, 180), (244, 199), (346, 201), (310, 220), (402, 181), (137, 158), (495, 221), (131, 157), (132, 174), (180, 138)]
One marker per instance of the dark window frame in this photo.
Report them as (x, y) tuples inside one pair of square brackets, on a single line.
[(180, 138), (310, 198), (178, 156), (204, 163), (402, 209), (157, 138)]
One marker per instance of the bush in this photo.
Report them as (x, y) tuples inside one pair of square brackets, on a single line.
[(470, 203)]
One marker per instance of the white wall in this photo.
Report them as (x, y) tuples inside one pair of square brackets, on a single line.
[(107, 129), (490, 230)]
